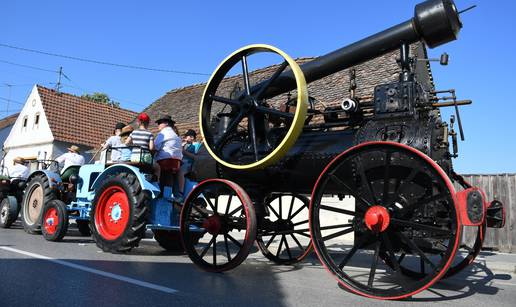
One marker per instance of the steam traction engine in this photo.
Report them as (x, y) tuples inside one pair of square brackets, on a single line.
[(383, 216)]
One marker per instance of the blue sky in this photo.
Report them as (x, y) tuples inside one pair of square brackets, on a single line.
[(196, 35)]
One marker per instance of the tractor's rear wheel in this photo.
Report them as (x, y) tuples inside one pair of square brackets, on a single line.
[(37, 194), (9, 210), (119, 213), (55, 220)]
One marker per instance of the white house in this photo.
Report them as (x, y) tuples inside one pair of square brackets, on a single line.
[(51, 121)]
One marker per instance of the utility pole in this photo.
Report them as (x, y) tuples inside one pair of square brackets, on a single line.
[(58, 85), (8, 99)]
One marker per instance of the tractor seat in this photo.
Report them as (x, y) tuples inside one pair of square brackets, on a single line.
[(69, 171)]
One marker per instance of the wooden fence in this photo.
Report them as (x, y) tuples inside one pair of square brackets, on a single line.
[(503, 188)]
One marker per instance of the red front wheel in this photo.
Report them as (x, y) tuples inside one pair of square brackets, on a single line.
[(55, 220)]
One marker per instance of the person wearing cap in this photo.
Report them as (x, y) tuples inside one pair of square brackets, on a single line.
[(125, 152), (169, 154), (190, 149), (141, 137), (19, 170), (114, 142), (69, 159)]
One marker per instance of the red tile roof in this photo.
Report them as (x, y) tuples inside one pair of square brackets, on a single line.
[(80, 121), (8, 120)]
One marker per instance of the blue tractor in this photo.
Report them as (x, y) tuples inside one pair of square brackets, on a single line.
[(117, 201)]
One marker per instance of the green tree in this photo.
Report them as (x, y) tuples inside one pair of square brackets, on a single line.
[(101, 98)]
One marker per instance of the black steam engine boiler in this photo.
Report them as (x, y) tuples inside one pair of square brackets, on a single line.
[(367, 183)]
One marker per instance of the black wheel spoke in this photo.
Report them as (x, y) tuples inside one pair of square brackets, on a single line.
[(291, 208), (386, 178), (392, 257), (336, 226), (270, 111), (359, 243), (207, 247), (252, 135), (297, 242), (274, 211), (434, 229), (416, 248), (300, 223), (338, 210), (211, 205), (228, 254), (402, 256), (280, 207), (267, 83), (372, 271), (228, 205), (236, 210), (228, 101), (298, 211), (270, 240), (364, 179), (289, 253), (280, 245), (215, 250), (361, 200), (302, 233), (338, 234), (230, 237), (245, 75)]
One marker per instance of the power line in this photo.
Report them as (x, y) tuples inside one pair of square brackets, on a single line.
[(104, 62), (28, 66), (10, 100)]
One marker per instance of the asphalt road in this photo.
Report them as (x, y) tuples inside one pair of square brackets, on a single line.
[(34, 272)]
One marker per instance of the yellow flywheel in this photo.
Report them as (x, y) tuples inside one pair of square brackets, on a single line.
[(245, 118)]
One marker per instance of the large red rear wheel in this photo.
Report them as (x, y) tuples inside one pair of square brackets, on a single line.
[(119, 213), (380, 207)]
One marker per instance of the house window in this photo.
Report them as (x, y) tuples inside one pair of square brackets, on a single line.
[(36, 121), (24, 125)]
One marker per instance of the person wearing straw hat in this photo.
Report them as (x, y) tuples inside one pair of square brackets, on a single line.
[(19, 170), (72, 158), (125, 151)]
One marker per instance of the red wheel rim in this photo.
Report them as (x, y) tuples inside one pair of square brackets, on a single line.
[(51, 221), (112, 213)]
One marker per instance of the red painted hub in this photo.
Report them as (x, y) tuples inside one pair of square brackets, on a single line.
[(112, 213), (51, 220), (377, 218), (212, 224)]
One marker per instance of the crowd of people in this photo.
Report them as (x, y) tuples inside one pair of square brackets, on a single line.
[(173, 156)]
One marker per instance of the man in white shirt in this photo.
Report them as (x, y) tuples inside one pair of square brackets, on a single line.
[(169, 153), (71, 158), (19, 170)]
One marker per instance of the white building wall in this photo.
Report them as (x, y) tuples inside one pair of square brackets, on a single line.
[(28, 138)]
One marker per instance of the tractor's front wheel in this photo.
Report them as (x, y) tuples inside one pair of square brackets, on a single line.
[(9, 210), (55, 220), (119, 213)]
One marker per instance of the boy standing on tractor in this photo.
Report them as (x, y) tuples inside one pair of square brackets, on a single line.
[(114, 142), (190, 149), (168, 155), (142, 138)]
